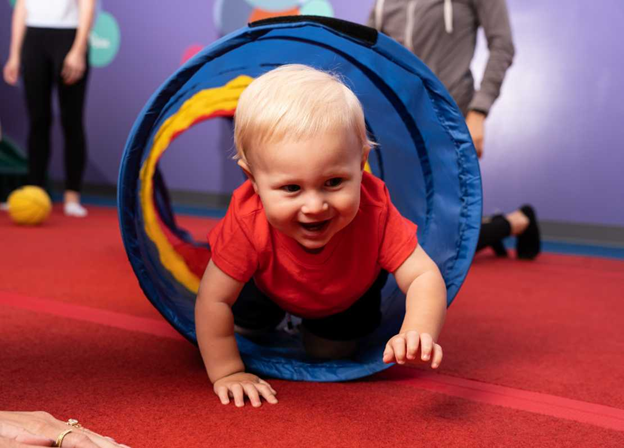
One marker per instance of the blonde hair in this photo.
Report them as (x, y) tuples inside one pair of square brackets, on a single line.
[(295, 102)]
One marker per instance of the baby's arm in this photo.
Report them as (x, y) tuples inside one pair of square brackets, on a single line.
[(420, 279), (214, 324)]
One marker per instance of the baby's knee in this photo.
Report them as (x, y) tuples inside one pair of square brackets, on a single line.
[(321, 348)]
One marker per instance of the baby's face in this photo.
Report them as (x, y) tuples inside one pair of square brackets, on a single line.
[(310, 189)]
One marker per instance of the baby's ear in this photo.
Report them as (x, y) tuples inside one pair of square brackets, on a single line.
[(365, 151), (245, 167)]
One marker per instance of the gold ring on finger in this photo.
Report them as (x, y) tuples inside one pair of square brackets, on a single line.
[(59, 439)]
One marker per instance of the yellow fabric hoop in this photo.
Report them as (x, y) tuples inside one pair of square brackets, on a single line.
[(200, 106)]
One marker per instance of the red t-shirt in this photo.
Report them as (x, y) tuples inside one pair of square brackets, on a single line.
[(245, 245)]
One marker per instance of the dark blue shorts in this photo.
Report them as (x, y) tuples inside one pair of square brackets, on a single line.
[(255, 311)]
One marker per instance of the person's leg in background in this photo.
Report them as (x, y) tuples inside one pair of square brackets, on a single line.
[(71, 102), (494, 229), (37, 73), (520, 223)]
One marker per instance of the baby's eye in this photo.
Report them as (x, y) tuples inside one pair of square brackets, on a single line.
[(291, 188), (336, 181)]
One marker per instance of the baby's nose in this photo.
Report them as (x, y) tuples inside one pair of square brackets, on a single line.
[(315, 203)]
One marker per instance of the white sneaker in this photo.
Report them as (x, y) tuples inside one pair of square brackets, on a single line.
[(75, 209)]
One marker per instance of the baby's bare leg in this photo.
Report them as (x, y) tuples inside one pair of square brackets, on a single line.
[(318, 347)]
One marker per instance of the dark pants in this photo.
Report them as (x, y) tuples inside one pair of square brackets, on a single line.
[(43, 53), (493, 231), (255, 311)]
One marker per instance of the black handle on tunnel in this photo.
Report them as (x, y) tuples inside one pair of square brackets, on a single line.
[(364, 34)]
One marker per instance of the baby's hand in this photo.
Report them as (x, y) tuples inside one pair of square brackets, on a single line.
[(240, 384), (404, 347)]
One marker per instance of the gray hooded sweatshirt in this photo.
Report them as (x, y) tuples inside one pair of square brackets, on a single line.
[(443, 34)]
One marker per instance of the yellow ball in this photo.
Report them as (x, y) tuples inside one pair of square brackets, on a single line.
[(29, 205)]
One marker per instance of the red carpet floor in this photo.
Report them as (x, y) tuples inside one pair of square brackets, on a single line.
[(534, 356)]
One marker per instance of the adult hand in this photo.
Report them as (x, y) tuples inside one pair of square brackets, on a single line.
[(16, 436), (404, 347), (28, 429), (240, 384), (476, 121), (74, 66), (11, 71)]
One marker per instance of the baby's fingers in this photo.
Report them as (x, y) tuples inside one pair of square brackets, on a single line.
[(267, 393), (437, 356), (268, 385), (398, 346), (224, 395), (238, 394), (426, 345), (412, 344), (388, 355), (252, 393)]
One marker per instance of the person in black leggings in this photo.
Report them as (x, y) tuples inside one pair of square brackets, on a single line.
[(50, 48)]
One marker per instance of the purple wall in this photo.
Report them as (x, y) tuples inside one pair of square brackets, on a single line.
[(553, 139)]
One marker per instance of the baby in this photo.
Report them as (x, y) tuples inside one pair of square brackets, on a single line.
[(310, 233)]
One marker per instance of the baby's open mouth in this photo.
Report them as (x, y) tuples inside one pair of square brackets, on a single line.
[(317, 226)]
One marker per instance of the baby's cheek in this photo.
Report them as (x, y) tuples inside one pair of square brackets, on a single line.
[(348, 204), (352, 199), (278, 216)]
